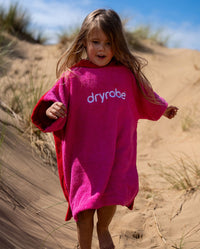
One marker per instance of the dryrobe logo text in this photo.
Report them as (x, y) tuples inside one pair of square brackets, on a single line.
[(101, 97)]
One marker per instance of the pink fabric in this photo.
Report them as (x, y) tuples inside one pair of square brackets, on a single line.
[(96, 143)]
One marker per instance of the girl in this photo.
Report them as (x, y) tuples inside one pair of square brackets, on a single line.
[(93, 110)]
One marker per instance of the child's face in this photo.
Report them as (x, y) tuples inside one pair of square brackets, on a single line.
[(99, 49)]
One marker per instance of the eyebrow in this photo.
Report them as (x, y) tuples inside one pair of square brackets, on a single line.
[(97, 38), (94, 38)]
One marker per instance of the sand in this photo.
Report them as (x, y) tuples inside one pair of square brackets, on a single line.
[(32, 205)]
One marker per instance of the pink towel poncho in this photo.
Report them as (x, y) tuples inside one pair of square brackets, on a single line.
[(96, 142)]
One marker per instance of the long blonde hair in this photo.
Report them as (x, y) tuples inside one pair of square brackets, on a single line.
[(110, 23)]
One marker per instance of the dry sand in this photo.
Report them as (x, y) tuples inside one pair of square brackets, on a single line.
[(32, 205)]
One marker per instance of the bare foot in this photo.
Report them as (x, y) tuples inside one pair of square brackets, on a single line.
[(105, 240)]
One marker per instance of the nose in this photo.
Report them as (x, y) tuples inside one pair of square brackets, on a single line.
[(101, 47)]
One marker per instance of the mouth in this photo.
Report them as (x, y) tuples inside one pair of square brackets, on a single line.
[(101, 56)]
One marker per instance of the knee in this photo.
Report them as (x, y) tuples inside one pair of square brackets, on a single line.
[(101, 227)]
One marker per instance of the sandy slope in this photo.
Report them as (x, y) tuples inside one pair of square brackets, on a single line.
[(32, 207), (31, 201)]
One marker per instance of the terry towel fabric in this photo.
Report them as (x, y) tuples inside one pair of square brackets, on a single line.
[(96, 142)]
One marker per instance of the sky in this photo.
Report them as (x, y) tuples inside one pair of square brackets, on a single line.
[(178, 19)]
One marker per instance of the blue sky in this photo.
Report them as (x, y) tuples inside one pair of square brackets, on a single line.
[(180, 19)]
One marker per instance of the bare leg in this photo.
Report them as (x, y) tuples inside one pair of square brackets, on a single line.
[(85, 226), (105, 215)]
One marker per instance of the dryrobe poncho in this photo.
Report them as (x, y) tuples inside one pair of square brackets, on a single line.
[(96, 142)]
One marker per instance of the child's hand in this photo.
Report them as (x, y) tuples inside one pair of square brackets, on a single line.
[(170, 112), (56, 110)]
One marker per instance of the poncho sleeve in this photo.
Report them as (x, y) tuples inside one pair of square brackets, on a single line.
[(150, 110), (146, 109), (58, 93)]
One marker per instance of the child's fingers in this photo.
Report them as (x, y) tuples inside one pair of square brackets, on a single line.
[(60, 105), (50, 112), (57, 110), (60, 109), (172, 111), (51, 115)]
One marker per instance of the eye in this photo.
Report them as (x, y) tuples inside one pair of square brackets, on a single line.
[(108, 43), (95, 42)]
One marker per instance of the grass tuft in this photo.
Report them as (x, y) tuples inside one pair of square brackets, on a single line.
[(65, 37), (6, 47), (2, 137), (17, 21), (184, 238), (183, 173), (141, 33), (22, 98)]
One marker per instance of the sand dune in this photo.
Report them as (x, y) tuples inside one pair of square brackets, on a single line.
[(32, 206)]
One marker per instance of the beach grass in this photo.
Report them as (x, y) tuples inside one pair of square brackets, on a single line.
[(16, 21), (65, 37), (186, 237), (183, 173), (2, 137), (134, 37), (6, 47), (21, 98)]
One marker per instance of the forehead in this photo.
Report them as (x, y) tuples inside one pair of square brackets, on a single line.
[(97, 33)]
